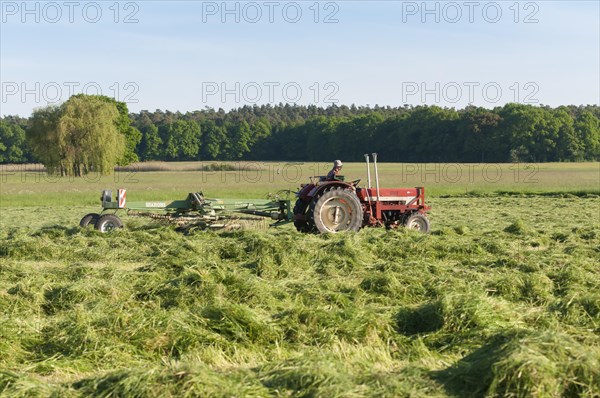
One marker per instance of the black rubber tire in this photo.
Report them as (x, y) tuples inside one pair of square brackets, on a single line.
[(302, 225), (89, 219), (108, 223), (311, 209), (418, 222), (351, 211)]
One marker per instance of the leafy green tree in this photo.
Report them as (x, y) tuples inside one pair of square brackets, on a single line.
[(319, 137), (518, 126), (150, 147), (354, 136), (132, 135), (152, 144), (478, 131), (78, 137), (12, 143), (44, 140), (390, 137), (259, 131), (239, 137), (587, 126), (182, 140), (214, 140), (569, 145)]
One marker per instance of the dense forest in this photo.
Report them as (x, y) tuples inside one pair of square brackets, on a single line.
[(511, 133)]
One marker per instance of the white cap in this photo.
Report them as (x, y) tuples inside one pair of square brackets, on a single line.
[(337, 163)]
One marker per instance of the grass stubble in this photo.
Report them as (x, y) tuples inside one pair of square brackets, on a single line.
[(501, 300)]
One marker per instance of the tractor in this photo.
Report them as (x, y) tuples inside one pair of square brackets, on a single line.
[(334, 205)]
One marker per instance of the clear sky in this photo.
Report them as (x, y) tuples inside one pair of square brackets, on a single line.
[(188, 55)]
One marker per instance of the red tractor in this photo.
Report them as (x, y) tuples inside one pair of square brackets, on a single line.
[(333, 205)]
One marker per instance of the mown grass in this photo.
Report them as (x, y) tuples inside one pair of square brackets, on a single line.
[(24, 186), (502, 299)]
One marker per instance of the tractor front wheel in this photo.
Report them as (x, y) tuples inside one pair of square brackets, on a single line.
[(418, 222), (338, 210), (108, 223)]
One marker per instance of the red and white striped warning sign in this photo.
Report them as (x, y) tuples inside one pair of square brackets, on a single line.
[(122, 198)]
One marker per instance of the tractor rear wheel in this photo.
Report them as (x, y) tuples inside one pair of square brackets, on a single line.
[(418, 222), (108, 223), (302, 225), (89, 219), (338, 210)]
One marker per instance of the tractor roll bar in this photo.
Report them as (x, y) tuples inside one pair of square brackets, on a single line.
[(368, 170), (376, 174)]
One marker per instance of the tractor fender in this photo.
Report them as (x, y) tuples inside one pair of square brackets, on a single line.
[(317, 189), (305, 190)]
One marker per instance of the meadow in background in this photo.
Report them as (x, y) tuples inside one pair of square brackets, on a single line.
[(28, 185)]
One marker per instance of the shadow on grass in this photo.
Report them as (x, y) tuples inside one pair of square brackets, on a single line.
[(525, 364), (425, 318), (473, 374), (56, 231)]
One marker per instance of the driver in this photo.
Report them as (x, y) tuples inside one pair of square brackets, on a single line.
[(337, 166)]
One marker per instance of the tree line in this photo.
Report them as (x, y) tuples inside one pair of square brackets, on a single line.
[(511, 133)]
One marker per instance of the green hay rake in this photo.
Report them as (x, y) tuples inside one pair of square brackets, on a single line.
[(195, 211)]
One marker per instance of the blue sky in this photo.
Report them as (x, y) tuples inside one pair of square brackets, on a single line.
[(188, 55)]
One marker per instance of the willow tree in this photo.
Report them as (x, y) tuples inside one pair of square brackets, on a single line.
[(78, 137), (42, 136)]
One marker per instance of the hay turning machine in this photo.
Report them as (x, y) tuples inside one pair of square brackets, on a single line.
[(322, 206)]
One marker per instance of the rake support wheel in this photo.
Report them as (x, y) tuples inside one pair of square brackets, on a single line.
[(89, 220), (108, 223)]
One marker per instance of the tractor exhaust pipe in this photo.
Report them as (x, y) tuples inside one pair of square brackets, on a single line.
[(376, 174), (368, 170)]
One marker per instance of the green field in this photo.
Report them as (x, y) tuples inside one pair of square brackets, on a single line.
[(501, 299), (26, 186)]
